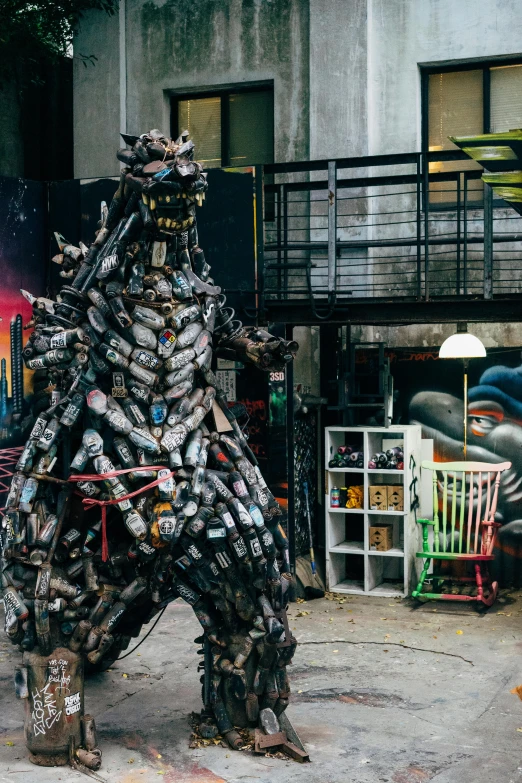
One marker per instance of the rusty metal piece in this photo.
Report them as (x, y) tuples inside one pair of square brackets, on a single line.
[(234, 739), (89, 732), (263, 742), (89, 759), (294, 752), (93, 639), (79, 635), (106, 641), (252, 707)]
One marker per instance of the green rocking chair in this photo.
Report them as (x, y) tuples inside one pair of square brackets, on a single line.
[(464, 527)]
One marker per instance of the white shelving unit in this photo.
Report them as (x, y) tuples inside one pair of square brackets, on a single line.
[(352, 567)]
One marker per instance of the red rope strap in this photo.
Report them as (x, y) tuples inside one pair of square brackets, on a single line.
[(91, 502)]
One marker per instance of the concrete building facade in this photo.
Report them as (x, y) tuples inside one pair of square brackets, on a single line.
[(346, 78), (345, 73)]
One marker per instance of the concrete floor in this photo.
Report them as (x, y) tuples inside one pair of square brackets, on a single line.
[(382, 691)]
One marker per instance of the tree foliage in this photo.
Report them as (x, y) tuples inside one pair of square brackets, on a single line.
[(40, 32)]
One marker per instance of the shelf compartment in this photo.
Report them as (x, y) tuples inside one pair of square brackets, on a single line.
[(393, 552), (385, 471), (346, 572), (350, 586), (351, 511), (385, 513), (385, 574), (348, 547), (389, 590), (375, 440), (346, 530), (397, 528), (354, 470), (342, 437)]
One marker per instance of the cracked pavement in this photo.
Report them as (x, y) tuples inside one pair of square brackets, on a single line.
[(384, 691)]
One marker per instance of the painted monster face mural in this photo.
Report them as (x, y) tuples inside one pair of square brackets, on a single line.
[(494, 435)]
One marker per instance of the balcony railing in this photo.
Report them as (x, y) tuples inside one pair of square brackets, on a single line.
[(387, 231)]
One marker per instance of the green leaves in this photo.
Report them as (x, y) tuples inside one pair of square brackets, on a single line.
[(40, 32)]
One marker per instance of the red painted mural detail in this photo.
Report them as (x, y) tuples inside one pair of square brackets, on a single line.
[(256, 428), (22, 265), (255, 408)]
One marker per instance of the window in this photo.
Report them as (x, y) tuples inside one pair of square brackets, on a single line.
[(229, 128), (478, 98)]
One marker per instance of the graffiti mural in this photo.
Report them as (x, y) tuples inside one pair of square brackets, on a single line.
[(22, 265), (494, 434)]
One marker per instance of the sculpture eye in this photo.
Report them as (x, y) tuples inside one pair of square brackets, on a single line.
[(482, 425)]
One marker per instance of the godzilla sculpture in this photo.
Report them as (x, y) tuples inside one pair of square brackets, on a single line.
[(136, 485)]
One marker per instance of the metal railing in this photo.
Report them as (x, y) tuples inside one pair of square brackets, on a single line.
[(410, 227)]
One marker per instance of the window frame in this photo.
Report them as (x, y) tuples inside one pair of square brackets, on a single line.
[(455, 66), (484, 65), (224, 93)]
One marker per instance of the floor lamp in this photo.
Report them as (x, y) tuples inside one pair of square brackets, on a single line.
[(465, 346)]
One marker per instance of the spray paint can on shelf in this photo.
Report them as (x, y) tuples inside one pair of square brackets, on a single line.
[(335, 497)]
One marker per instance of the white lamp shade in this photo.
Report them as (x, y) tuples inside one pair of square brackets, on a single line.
[(462, 346)]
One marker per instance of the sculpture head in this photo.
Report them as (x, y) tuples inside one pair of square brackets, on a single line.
[(166, 180)]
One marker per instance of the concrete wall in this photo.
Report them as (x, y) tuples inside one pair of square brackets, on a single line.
[(345, 72), (338, 78), (404, 33), (307, 361), (97, 97), (433, 335), (185, 45)]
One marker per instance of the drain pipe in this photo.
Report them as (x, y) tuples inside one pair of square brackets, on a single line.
[(123, 65)]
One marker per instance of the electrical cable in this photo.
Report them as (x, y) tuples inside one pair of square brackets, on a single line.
[(146, 635)]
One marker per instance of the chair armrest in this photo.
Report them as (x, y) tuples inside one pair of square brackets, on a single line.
[(425, 522)]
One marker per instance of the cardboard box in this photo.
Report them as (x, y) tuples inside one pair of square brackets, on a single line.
[(378, 497), (395, 497), (381, 537)]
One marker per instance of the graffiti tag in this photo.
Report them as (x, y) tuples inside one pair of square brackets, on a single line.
[(72, 703), (45, 713)]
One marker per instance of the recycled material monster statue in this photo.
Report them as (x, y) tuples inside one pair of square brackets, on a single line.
[(136, 485)]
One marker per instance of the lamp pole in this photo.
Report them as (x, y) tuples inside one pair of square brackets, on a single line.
[(465, 361)]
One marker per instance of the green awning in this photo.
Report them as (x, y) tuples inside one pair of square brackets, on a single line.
[(501, 155), (494, 151)]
